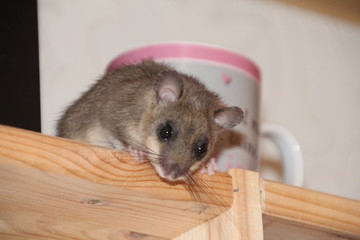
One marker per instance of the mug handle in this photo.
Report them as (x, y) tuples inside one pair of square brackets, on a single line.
[(291, 154)]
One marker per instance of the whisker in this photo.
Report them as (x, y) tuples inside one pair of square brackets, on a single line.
[(150, 154), (209, 202)]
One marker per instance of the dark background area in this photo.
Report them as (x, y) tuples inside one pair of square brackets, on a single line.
[(19, 65)]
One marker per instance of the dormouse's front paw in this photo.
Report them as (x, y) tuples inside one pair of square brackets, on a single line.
[(138, 156), (210, 167)]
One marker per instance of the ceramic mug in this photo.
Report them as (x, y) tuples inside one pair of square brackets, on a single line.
[(237, 80)]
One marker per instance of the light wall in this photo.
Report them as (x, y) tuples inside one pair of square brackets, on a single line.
[(310, 65)]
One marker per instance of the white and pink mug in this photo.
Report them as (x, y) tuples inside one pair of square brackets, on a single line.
[(237, 80)]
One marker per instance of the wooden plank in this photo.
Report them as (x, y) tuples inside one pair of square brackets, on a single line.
[(52, 188), (36, 205), (246, 205), (218, 228), (243, 221), (282, 229), (298, 212)]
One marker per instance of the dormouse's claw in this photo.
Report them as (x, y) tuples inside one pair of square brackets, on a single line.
[(203, 169), (213, 164), (138, 156), (210, 167)]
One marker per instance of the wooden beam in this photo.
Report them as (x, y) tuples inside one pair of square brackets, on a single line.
[(296, 213), (52, 188), (243, 221), (247, 205), (56, 188)]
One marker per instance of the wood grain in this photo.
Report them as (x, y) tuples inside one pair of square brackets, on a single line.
[(308, 213), (52, 188), (246, 205), (243, 221)]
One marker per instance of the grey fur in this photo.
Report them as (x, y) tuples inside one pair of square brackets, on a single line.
[(124, 106)]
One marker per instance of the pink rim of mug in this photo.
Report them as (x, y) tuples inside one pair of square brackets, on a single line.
[(186, 51)]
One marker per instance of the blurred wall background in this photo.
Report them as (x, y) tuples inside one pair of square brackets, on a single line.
[(308, 52)]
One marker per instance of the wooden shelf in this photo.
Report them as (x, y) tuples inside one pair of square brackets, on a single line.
[(52, 188)]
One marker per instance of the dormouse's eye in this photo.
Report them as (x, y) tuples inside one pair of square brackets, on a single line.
[(165, 132), (201, 148)]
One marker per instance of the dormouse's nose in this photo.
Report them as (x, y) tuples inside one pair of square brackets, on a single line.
[(174, 172)]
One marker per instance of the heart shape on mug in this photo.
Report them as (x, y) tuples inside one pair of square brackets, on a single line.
[(226, 79)]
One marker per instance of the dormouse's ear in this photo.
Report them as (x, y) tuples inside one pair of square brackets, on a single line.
[(169, 87), (229, 117)]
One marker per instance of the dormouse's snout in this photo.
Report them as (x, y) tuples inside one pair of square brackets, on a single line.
[(178, 150), (172, 172)]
